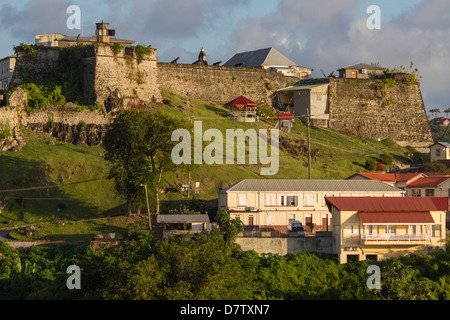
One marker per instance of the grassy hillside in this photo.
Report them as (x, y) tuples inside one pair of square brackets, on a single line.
[(48, 174)]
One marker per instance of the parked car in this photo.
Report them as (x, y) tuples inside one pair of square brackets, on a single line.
[(297, 226)]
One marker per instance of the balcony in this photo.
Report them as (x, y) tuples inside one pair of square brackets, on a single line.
[(399, 239)]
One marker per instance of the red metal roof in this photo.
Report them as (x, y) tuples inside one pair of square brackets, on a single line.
[(389, 177), (431, 181), (241, 101), (405, 217), (285, 116), (388, 204)]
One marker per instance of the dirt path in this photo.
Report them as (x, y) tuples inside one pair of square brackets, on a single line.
[(23, 245)]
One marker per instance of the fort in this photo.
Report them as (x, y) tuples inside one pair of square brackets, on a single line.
[(119, 77)]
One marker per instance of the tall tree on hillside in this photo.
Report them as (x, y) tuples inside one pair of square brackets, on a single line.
[(447, 111), (138, 146), (435, 111)]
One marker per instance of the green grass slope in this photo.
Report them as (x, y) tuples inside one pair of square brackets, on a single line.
[(48, 174)]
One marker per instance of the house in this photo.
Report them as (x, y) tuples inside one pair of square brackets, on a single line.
[(304, 99), (270, 59), (381, 227), (102, 35), (440, 151), (432, 186), (199, 223), (360, 71), (7, 66), (270, 204), (399, 180), (285, 121), (442, 121)]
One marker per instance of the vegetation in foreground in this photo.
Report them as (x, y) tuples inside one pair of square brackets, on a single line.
[(209, 268)]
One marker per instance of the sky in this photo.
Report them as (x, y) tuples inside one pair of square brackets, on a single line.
[(324, 35)]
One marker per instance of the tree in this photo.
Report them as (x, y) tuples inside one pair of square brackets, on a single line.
[(311, 225), (138, 146), (435, 111), (230, 227), (447, 111), (386, 158), (371, 164)]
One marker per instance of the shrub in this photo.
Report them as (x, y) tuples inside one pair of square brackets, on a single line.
[(386, 158), (371, 164), (116, 48), (5, 130)]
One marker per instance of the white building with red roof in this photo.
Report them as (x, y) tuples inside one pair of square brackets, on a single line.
[(378, 228)]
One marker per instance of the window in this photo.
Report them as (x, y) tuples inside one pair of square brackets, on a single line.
[(237, 217), (352, 229), (371, 230), (242, 199), (251, 220), (291, 217), (269, 200), (437, 230), (291, 201), (354, 74), (304, 75), (372, 257), (429, 192), (416, 192), (308, 200), (438, 152), (281, 201), (389, 229)]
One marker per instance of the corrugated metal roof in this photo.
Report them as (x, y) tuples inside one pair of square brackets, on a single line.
[(362, 66), (388, 177), (445, 144), (258, 58), (422, 217), (303, 87), (311, 185), (388, 204), (430, 181), (182, 218)]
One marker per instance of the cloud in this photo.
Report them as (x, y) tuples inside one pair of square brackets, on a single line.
[(331, 34), (37, 16)]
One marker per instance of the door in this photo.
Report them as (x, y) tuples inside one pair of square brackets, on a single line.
[(354, 74), (325, 222), (308, 219), (270, 219)]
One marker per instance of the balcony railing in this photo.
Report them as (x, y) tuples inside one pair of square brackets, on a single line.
[(395, 237)]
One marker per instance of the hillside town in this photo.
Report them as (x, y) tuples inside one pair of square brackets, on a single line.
[(330, 187)]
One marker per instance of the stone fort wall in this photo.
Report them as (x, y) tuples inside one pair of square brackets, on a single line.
[(361, 106), (371, 110)]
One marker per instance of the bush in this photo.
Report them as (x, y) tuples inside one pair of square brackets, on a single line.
[(371, 164), (386, 158)]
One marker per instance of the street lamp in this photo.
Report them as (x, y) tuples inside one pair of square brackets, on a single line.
[(148, 207)]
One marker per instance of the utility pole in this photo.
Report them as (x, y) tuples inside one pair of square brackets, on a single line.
[(148, 207), (308, 118)]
